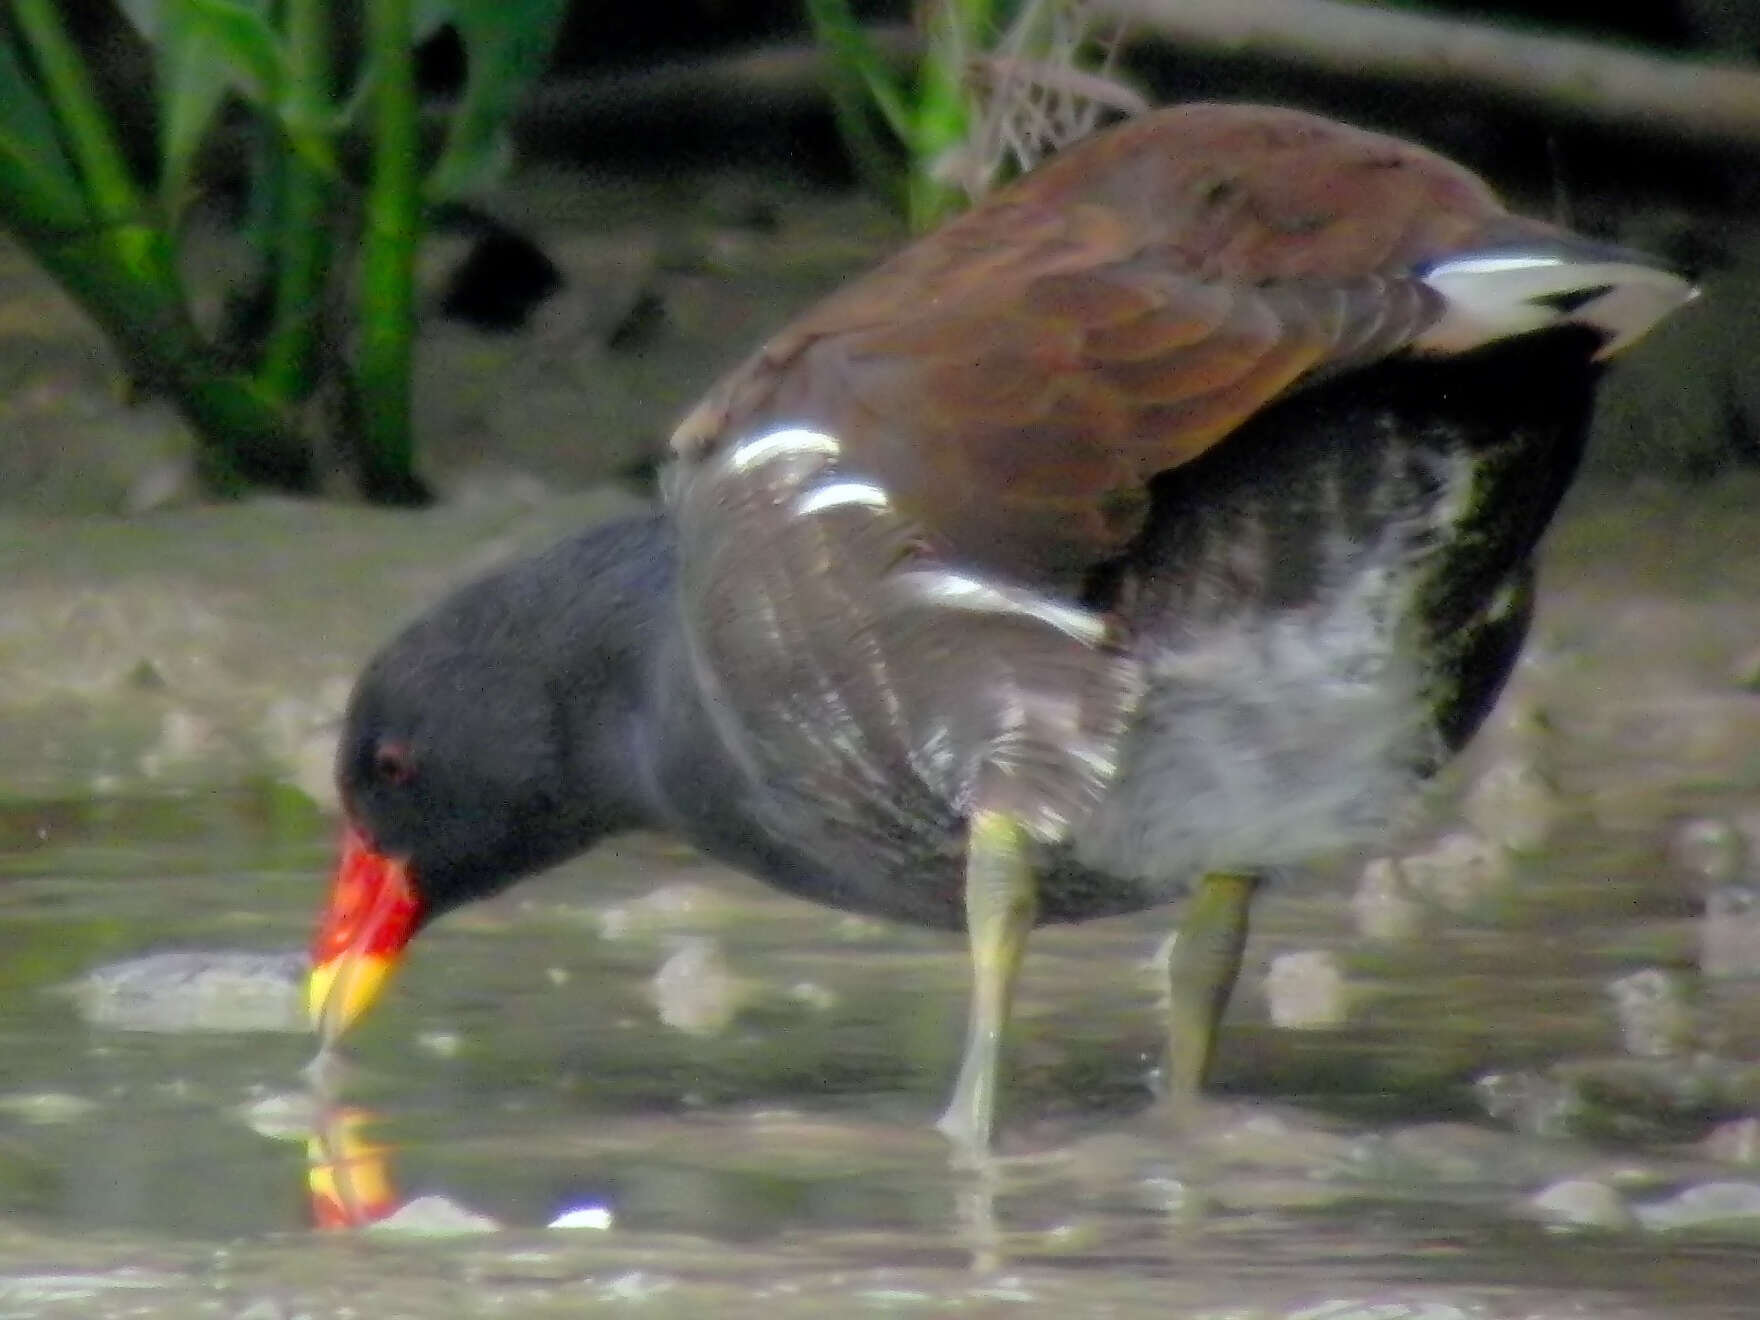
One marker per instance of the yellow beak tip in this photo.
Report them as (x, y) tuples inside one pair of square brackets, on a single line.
[(339, 991)]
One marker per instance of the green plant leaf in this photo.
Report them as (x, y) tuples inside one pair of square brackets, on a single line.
[(852, 68), (205, 49), (237, 32), (853, 59), (38, 185), (507, 45), (144, 14), (428, 16)]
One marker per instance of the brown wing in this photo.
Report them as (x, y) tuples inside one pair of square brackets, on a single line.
[(1016, 378)]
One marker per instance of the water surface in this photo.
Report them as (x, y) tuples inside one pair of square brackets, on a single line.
[(743, 1083)]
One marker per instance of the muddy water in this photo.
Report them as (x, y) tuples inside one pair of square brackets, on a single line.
[(735, 1088)]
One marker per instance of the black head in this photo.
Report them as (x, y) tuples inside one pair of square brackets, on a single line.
[(501, 732), (497, 735)]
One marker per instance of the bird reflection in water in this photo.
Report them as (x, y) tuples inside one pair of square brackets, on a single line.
[(348, 1174), (350, 1183)]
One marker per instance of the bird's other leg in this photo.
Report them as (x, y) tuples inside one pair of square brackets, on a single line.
[(1001, 906), (1201, 975)]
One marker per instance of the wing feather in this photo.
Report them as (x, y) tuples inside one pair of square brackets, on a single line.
[(1015, 379)]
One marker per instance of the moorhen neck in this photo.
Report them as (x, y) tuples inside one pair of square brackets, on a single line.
[(1164, 521)]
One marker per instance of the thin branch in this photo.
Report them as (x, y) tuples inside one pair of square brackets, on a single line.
[(1047, 82), (1598, 82), (1077, 84), (769, 79), (1695, 100)]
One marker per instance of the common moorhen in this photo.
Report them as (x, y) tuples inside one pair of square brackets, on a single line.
[(1162, 522)]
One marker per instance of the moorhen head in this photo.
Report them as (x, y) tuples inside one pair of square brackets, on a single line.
[(1164, 521)]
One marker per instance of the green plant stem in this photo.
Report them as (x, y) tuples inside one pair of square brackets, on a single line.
[(122, 271), (388, 252), (36, 196), (956, 29), (110, 190), (856, 79), (301, 244), (242, 438)]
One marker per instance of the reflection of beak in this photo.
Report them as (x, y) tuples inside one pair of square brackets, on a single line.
[(347, 1176), (373, 912)]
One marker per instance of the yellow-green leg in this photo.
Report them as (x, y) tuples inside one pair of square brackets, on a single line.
[(1001, 905), (1206, 961)]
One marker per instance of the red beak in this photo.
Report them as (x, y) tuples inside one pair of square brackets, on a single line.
[(372, 915)]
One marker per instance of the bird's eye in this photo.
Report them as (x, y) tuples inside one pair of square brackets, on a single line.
[(393, 764)]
